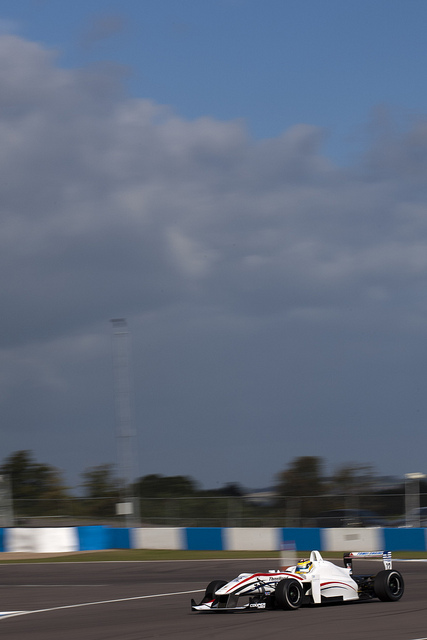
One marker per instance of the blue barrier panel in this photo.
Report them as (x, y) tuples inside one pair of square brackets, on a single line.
[(204, 539), (2, 540), (92, 538), (404, 539), (118, 538), (305, 539)]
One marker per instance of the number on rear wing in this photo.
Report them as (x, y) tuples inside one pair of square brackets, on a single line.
[(385, 556)]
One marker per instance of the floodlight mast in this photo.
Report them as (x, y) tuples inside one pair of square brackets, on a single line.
[(125, 430)]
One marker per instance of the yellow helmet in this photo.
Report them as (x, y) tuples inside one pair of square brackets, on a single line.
[(304, 566)]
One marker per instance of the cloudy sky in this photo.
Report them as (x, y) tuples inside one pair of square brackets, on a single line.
[(245, 182)]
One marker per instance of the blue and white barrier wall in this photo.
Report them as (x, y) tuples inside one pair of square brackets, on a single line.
[(43, 540), (69, 539)]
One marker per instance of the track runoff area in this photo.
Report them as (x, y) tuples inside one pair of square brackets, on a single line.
[(130, 600)]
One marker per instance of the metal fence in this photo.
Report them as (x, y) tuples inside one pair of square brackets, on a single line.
[(224, 511)]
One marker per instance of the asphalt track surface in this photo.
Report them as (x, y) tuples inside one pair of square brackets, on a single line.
[(141, 600)]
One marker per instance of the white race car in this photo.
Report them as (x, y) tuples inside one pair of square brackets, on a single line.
[(310, 581)]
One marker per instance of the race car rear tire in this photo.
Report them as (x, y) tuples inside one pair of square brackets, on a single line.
[(288, 594), (389, 585), (211, 588)]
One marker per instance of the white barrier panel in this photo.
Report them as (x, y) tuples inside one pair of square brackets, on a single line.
[(161, 538), (254, 539), (19, 540), (47, 540), (352, 539)]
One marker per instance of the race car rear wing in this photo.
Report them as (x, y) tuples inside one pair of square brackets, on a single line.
[(385, 556)]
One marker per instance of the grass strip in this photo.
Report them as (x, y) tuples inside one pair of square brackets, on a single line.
[(135, 555)]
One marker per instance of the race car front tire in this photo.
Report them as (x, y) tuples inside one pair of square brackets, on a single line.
[(288, 594), (211, 588), (389, 585)]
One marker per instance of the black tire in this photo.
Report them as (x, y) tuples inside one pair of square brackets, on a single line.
[(389, 585), (211, 588), (288, 594)]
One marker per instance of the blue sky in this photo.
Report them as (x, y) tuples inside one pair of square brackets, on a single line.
[(328, 63), (245, 183)]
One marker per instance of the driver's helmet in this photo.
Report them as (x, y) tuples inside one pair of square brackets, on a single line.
[(304, 566)]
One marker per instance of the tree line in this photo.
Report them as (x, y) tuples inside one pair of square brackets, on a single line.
[(39, 488), (300, 491)]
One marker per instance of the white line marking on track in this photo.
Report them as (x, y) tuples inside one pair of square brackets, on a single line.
[(411, 560), (56, 586), (12, 614)]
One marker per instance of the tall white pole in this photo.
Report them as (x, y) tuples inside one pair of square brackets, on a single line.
[(125, 429), (412, 498), (6, 503)]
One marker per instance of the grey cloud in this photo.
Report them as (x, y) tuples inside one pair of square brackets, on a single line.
[(223, 251), (102, 26)]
